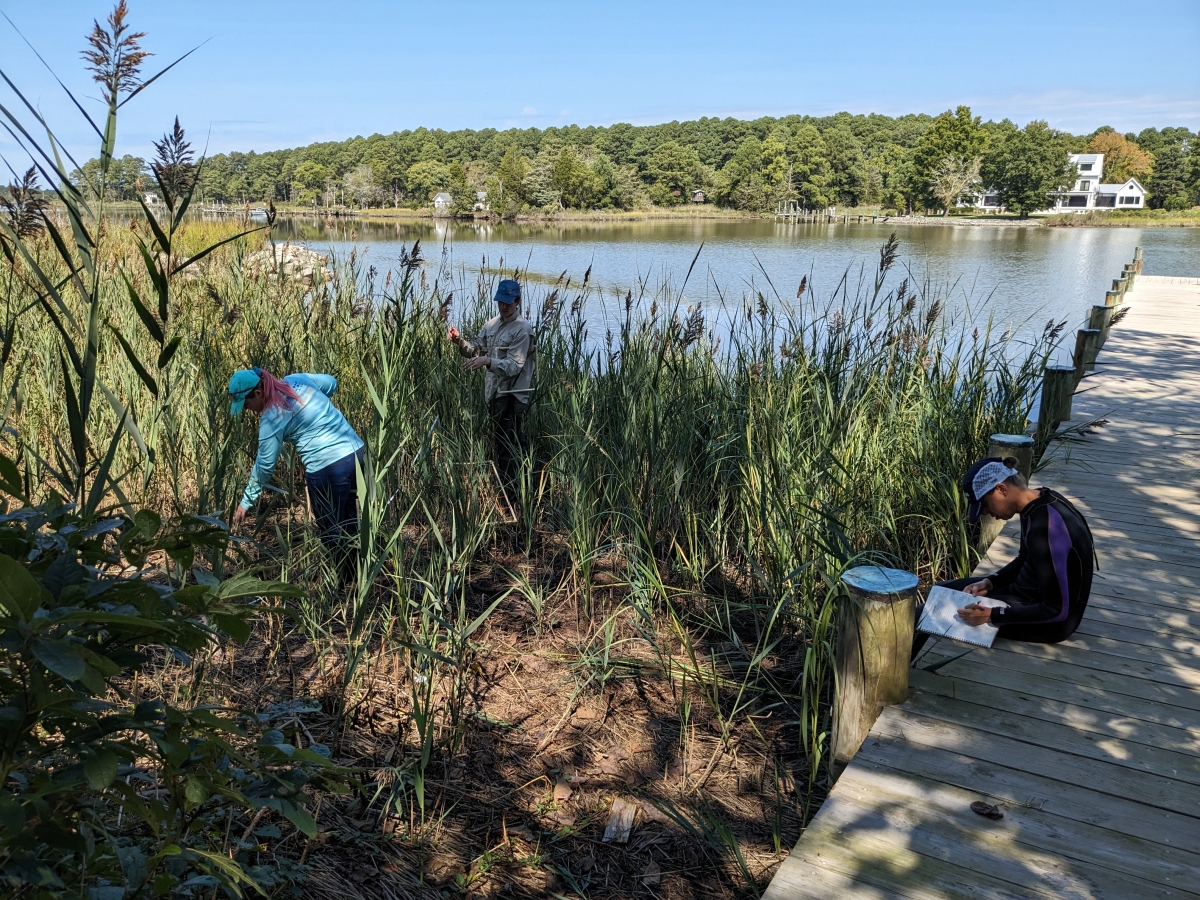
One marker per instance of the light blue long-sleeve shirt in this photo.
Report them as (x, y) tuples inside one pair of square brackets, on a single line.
[(314, 426)]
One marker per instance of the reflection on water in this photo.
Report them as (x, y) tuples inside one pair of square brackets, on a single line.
[(1017, 275)]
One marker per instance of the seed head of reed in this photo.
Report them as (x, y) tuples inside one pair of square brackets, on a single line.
[(24, 206), (116, 56)]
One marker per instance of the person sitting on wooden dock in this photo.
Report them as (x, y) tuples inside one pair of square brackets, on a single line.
[(1047, 584)]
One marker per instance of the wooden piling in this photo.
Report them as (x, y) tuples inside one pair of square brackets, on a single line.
[(1112, 298), (873, 649), (1100, 318), (1137, 259), (1058, 386), (1130, 275), (1087, 348)]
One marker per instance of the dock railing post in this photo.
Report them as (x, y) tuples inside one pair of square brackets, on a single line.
[(1137, 259), (1112, 298), (1100, 318), (1087, 348), (1058, 385), (1130, 274), (874, 645), (1001, 446)]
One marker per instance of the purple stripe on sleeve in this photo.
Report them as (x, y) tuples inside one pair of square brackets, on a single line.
[(1060, 546)]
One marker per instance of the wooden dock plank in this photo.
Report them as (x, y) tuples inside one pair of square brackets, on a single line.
[(1092, 745)]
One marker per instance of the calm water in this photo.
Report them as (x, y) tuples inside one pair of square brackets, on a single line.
[(1020, 276)]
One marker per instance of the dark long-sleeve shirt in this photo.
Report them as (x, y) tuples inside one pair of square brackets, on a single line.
[(1049, 581)]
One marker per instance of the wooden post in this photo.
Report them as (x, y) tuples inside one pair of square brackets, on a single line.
[(1087, 348), (873, 649), (1112, 298), (1130, 274), (1002, 445), (1100, 318), (1122, 286), (1137, 259), (1058, 384)]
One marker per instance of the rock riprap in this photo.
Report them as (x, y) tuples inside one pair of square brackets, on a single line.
[(293, 261)]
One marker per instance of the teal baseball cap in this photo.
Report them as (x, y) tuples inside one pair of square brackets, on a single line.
[(241, 383)]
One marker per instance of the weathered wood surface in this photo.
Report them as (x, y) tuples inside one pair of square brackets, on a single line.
[(1091, 746)]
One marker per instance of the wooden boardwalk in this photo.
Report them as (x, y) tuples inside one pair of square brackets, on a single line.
[(1091, 746)]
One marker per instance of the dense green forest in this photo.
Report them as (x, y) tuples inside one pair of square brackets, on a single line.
[(910, 163)]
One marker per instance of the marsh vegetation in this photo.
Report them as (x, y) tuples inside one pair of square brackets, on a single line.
[(655, 629)]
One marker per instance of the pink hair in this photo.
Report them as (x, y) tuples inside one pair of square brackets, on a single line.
[(275, 391)]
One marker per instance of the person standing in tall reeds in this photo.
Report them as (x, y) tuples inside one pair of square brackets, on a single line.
[(506, 349), (297, 410)]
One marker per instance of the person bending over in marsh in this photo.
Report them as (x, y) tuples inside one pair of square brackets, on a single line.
[(297, 410), (1047, 585), (505, 348)]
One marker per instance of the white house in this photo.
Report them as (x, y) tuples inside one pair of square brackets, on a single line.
[(442, 201), (1089, 193), (481, 202), (1086, 193)]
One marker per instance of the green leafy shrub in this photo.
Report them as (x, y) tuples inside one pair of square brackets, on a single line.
[(105, 794)]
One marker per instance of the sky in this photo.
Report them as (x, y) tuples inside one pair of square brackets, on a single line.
[(272, 74)]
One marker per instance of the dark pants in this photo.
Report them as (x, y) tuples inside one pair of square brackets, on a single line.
[(333, 493), (509, 442), (1032, 632)]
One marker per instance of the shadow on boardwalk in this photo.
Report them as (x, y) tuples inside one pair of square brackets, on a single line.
[(1092, 746)]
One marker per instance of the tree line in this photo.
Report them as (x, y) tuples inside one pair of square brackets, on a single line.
[(909, 163)]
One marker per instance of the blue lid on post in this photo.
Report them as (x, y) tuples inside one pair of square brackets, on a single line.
[(880, 580)]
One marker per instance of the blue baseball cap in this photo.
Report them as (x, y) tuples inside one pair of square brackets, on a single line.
[(508, 291), (241, 383)]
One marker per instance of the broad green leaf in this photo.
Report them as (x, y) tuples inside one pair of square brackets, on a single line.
[(206, 578), (242, 585), (61, 658), (100, 769), (195, 791), (10, 478), (20, 593), (300, 817), (235, 627), (12, 815)]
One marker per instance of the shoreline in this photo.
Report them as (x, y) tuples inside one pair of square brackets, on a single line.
[(708, 213)]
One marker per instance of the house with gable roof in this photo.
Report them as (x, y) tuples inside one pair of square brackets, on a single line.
[(1087, 192)]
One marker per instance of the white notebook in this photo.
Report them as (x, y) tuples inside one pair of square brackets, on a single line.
[(941, 617)]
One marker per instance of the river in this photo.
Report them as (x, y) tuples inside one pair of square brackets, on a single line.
[(1019, 276)]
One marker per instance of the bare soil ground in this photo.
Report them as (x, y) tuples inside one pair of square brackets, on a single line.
[(521, 808)]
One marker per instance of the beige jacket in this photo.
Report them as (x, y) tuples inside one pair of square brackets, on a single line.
[(511, 347)]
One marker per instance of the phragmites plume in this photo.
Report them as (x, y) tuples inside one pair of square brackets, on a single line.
[(116, 56), (587, 276), (902, 291), (550, 304), (931, 314), (24, 206), (411, 260), (1053, 330), (887, 253), (693, 327), (174, 165), (803, 287), (763, 309), (628, 299), (445, 306), (836, 324), (1118, 316)]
